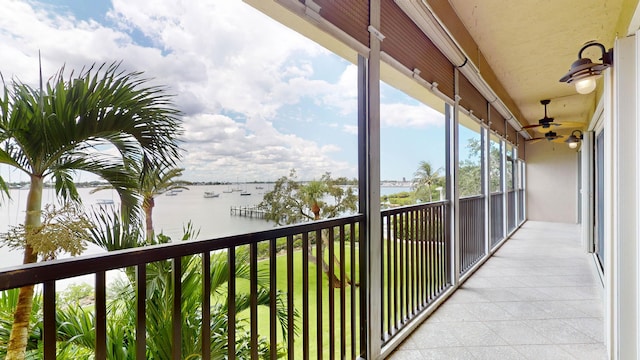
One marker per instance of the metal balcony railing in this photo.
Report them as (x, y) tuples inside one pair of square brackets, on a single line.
[(322, 321), (416, 253), (316, 308), (497, 219), (511, 211), (520, 206), (472, 220)]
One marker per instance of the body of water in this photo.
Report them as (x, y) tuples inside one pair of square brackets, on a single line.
[(211, 216)]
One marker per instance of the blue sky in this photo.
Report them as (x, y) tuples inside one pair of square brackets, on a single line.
[(257, 100)]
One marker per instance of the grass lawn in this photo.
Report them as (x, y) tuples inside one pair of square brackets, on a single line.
[(281, 281), (408, 277)]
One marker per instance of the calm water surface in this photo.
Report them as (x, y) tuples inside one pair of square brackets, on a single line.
[(211, 216)]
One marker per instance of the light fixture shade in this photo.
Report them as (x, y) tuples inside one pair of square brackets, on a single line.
[(583, 72), (573, 141), (586, 85)]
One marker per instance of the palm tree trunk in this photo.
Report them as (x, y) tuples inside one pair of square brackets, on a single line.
[(147, 206), (20, 330), (333, 279)]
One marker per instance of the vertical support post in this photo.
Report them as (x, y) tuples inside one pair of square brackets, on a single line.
[(363, 200), (503, 185), (206, 305), (622, 195), (524, 189), (101, 316), (49, 320), (176, 322), (485, 143), (231, 307), (452, 158), (514, 186), (141, 311), (371, 127), (588, 186)]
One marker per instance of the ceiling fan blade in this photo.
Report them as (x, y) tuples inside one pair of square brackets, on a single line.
[(554, 138), (569, 124), (561, 125)]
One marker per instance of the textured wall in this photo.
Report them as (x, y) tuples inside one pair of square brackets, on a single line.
[(552, 182)]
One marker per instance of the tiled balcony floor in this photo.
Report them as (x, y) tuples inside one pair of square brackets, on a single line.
[(538, 297)]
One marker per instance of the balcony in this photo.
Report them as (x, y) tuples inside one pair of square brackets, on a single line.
[(537, 294), (538, 297)]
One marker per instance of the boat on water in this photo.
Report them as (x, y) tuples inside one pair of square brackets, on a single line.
[(259, 187), (172, 193), (211, 194), (104, 202), (245, 193)]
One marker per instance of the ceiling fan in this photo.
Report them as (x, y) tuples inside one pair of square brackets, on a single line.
[(549, 136), (546, 123)]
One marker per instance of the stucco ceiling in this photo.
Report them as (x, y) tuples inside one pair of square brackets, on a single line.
[(531, 44)]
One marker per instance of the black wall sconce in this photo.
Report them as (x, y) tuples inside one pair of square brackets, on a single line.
[(584, 72), (573, 141)]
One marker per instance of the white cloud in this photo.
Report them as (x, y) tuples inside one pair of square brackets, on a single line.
[(350, 129), (230, 77), (226, 150), (345, 96), (409, 116)]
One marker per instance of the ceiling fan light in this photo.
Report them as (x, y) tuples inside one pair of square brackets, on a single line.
[(573, 145), (586, 85)]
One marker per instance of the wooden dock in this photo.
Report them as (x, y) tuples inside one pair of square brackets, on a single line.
[(248, 211)]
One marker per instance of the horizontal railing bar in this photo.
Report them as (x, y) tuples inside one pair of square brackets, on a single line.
[(28, 274), (404, 209), (472, 197)]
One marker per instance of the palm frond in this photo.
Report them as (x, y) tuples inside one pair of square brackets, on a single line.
[(110, 233)]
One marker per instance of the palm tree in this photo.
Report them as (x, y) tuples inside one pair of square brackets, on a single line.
[(70, 126), (292, 202), (76, 323), (77, 326), (426, 177), (8, 303), (156, 181)]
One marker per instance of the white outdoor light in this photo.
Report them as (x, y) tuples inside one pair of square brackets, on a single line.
[(573, 141), (586, 86), (584, 72)]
